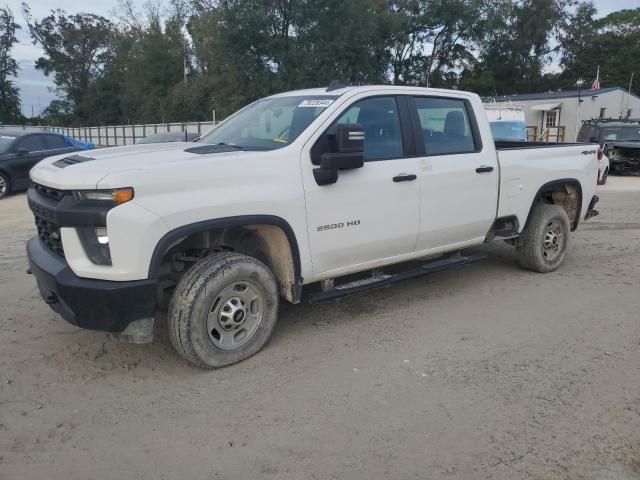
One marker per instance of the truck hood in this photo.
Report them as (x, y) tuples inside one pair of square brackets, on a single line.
[(85, 169)]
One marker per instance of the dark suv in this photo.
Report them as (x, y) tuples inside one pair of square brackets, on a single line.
[(21, 150), (619, 139)]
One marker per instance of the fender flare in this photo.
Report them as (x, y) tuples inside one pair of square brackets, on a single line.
[(164, 244), (549, 186)]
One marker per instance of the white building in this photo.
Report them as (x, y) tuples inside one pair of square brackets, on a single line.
[(555, 116)]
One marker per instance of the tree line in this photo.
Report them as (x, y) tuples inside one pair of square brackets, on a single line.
[(181, 60)]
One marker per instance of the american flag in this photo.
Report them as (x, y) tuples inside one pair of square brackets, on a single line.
[(596, 83)]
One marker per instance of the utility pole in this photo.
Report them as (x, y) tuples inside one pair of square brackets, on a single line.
[(629, 96)]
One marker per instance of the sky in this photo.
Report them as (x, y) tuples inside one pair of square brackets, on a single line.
[(35, 87)]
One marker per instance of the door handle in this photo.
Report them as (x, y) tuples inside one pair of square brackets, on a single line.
[(484, 169), (404, 177)]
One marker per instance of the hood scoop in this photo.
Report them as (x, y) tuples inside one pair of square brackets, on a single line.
[(219, 148), (72, 160)]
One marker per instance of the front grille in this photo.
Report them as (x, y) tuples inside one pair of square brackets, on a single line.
[(49, 234), (49, 192)]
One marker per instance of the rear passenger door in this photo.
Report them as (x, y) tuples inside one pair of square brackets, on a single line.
[(459, 175)]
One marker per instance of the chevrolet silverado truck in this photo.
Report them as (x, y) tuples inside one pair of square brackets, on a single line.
[(619, 140), (308, 194)]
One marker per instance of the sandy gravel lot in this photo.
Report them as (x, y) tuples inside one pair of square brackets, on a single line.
[(486, 372)]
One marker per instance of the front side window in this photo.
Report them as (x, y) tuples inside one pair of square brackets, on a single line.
[(445, 125), (32, 143), (379, 119), (270, 123)]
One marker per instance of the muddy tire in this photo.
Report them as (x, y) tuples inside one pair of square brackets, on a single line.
[(543, 245), (223, 310)]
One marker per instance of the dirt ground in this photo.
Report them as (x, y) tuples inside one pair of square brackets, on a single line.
[(485, 372)]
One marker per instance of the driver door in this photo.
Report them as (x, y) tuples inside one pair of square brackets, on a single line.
[(370, 213)]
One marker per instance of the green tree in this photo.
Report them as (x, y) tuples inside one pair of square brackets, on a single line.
[(9, 93), (76, 50), (514, 45), (612, 43)]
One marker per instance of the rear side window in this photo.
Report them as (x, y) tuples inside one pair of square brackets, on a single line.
[(446, 127), (33, 143), (55, 142)]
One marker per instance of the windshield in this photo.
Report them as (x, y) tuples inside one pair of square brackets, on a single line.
[(622, 134), (269, 124), (5, 141)]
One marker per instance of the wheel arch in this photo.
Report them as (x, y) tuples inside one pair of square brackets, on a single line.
[(570, 200), (267, 237)]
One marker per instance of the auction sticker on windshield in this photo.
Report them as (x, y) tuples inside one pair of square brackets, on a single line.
[(317, 103)]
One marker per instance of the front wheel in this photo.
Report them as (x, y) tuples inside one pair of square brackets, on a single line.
[(223, 310), (543, 245)]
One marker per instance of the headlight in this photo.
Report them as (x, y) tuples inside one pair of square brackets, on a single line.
[(114, 197)]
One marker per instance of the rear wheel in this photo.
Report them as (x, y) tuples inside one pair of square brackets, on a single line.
[(543, 245), (5, 185), (223, 310)]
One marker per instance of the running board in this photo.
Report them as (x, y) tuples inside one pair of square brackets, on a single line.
[(381, 280)]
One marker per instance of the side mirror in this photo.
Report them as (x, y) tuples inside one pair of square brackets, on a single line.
[(22, 151), (347, 154)]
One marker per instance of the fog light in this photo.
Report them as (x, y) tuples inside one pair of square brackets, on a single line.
[(95, 242), (102, 236)]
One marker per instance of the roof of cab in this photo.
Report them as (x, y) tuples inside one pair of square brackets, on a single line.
[(338, 91)]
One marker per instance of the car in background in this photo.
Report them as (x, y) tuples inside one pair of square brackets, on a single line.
[(619, 140), (170, 137), (20, 150)]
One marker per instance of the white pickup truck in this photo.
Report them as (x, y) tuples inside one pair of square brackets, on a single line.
[(307, 194)]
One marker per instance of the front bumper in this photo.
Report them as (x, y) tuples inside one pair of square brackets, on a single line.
[(624, 165), (102, 305)]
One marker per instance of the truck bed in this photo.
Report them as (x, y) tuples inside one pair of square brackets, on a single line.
[(527, 167)]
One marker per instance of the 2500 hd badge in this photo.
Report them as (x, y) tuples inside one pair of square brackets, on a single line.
[(333, 226)]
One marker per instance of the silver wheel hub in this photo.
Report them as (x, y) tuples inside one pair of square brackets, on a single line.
[(235, 315), (3, 186), (553, 240)]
